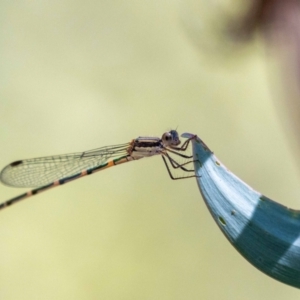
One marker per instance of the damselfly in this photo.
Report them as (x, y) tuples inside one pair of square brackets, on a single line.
[(51, 171)]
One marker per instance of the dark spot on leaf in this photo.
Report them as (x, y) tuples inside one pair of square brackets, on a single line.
[(262, 198), (223, 222)]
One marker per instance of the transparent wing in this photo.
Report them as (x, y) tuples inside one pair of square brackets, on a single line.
[(41, 171)]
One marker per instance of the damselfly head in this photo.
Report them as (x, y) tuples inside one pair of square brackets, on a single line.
[(170, 138)]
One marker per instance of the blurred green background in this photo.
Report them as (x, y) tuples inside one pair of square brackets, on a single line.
[(78, 75)]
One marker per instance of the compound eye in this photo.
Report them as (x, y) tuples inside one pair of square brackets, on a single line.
[(167, 137)]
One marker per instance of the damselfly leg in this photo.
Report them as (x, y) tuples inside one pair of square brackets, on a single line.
[(174, 163)]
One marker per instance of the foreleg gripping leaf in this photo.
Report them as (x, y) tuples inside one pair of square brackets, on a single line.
[(265, 232)]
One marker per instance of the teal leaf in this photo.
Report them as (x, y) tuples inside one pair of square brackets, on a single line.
[(263, 231)]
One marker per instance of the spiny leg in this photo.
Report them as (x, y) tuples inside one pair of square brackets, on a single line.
[(177, 165), (184, 146), (179, 154), (170, 173)]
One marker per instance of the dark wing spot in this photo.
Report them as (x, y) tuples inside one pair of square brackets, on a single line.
[(16, 163)]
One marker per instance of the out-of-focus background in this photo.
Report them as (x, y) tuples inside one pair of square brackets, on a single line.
[(78, 75)]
